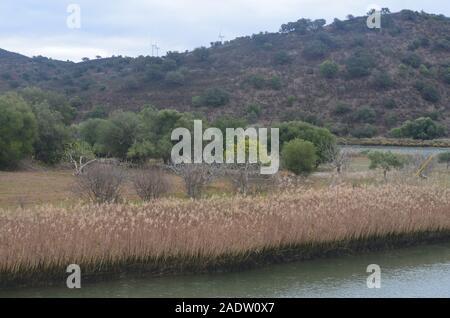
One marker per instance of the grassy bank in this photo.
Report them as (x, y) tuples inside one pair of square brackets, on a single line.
[(220, 233), (396, 142)]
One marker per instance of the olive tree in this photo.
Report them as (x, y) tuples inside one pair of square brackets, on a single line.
[(385, 161)]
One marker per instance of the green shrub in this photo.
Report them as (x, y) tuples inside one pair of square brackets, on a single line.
[(412, 59), (201, 54), (389, 103), (391, 120), (365, 131), (428, 91), (98, 111), (320, 137), (197, 101), (299, 156), (282, 58), (442, 45), (154, 72), (315, 50), (275, 83), (425, 71), (423, 128), (360, 64), (342, 109), (291, 100), (213, 97), (257, 81), (365, 114), (329, 69), (385, 160), (382, 80), (175, 78), (52, 137), (253, 111), (18, 130)]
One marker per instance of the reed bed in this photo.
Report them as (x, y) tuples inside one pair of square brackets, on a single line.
[(39, 242)]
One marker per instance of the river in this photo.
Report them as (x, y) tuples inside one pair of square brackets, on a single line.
[(422, 271)]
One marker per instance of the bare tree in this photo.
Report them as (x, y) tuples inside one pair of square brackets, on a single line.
[(80, 155), (195, 176), (338, 157), (150, 183), (100, 183), (241, 175)]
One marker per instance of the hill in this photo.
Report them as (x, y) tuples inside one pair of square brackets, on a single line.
[(355, 80)]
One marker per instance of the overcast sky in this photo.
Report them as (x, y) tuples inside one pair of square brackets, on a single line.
[(129, 27)]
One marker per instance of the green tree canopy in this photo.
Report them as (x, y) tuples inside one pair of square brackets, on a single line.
[(299, 156), (55, 101), (18, 130), (385, 160), (117, 134), (423, 128), (322, 138), (53, 136)]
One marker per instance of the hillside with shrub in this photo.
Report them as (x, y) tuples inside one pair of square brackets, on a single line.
[(353, 80)]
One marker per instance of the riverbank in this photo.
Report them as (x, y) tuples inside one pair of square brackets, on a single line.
[(397, 142), (172, 236), (139, 268), (416, 271)]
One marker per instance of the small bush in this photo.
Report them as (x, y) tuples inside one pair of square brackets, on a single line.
[(299, 156), (365, 131), (365, 114), (275, 83), (253, 112), (100, 183), (329, 69), (282, 58), (174, 78), (442, 45), (360, 64), (150, 183), (342, 109), (291, 100), (382, 80), (412, 59), (428, 91), (315, 50), (389, 103), (213, 97), (257, 81), (385, 161)]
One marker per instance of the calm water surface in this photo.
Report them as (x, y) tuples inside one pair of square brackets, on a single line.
[(422, 271)]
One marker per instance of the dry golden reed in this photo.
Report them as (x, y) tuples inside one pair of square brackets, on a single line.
[(52, 237)]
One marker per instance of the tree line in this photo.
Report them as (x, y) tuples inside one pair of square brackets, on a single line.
[(41, 125)]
